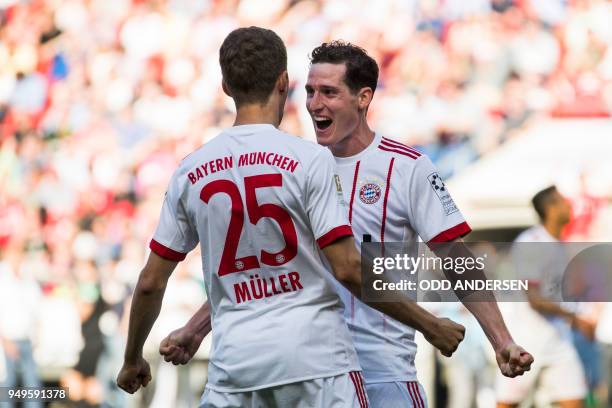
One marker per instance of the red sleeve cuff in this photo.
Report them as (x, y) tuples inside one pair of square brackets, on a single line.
[(458, 231), (334, 235), (165, 252)]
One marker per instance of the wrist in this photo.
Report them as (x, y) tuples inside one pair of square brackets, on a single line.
[(431, 326), (502, 342), (193, 328), (200, 322), (131, 360)]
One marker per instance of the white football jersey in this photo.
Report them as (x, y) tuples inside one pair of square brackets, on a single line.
[(545, 269), (395, 195), (261, 203)]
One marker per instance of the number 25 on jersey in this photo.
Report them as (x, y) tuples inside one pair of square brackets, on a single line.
[(229, 263)]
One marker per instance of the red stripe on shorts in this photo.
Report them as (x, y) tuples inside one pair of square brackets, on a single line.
[(415, 402), (365, 396), (357, 389)]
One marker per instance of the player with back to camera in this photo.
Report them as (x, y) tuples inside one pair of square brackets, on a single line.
[(388, 186), (259, 202)]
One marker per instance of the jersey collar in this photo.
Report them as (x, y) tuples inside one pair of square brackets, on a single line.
[(344, 161), (249, 129)]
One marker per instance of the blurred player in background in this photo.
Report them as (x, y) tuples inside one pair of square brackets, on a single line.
[(557, 368), (389, 190), (260, 202)]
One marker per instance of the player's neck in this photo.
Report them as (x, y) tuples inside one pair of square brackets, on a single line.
[(257, 114), (355, 143), (553, 228)]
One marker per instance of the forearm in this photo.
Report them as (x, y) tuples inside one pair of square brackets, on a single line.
[(409, 313), (547, 307), (482, 303), (491, 321), (200, 322), (405, 311), (346, 264), (145, 308)]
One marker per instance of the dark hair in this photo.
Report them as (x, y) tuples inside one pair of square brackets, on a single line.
[(361, 69), (251, 61), (543, 199)]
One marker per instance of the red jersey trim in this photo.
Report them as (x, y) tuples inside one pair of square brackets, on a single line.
[(334, 235), (450, 234), (396, 144), (353, 192), (400, 147), (384, 215), (165, 252), (398, 151)]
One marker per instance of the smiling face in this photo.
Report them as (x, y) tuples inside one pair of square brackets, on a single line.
[(335, 110)]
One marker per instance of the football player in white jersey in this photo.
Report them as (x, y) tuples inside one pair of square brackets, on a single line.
[(396, 195), (392, 196), (557, 369), (261, 203)]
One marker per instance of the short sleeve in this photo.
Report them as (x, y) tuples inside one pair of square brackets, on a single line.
[(327, 211), (175, 235), (433, 213)]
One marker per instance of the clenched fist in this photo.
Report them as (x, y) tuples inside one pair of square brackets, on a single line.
[(513, 360), (445, 335), (133, 375), (181, 345)]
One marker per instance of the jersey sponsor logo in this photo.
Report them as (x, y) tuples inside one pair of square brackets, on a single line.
[(438, 186), (369, 193)]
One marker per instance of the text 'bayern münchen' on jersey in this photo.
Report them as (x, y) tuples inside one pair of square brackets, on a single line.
[(395, 195), (261, 203)]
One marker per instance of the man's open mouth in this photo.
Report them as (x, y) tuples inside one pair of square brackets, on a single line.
[(322, 123)]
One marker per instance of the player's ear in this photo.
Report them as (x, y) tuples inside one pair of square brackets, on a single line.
[(282, 83), (226, 89), (364, 97)]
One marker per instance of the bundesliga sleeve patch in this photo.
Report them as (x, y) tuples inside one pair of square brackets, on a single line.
[(339, 194), (338, 184), (438, 186)]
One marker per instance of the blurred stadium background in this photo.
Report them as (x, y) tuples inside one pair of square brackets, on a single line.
[(100, 99)]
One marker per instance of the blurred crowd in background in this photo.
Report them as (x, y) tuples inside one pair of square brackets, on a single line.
[(99, 100)]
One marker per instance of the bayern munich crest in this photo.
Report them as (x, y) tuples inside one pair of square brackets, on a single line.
[(369, 193)]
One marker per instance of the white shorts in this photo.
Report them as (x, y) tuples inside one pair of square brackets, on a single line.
[(557, 371), (397, 395), (342, 391)]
